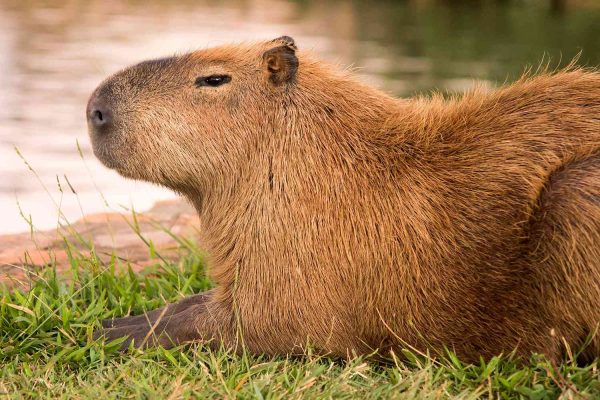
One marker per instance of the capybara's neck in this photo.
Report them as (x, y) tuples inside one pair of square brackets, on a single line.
[(318, 153)]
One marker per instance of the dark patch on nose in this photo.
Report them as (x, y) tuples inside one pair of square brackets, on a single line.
[(156, 65), (158, 62), (100, 110), (150, 73)]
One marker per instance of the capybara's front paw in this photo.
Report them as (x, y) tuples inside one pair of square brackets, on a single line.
[(168, 326), (166, 332), (153, 316), (141, 336)]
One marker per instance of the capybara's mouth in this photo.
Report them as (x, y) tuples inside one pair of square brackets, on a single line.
[(110, 150), (105, 156)]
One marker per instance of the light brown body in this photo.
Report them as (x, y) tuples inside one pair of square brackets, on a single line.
[(338, 216)]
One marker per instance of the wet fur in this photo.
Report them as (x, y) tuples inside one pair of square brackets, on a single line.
[(339, 216)]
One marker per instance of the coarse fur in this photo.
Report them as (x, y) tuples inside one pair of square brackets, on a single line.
[(338, 216)]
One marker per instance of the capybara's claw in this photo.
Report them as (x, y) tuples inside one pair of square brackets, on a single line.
[(107, 323)]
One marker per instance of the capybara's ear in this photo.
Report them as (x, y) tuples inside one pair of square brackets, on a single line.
[(280, 62), (286, 41)]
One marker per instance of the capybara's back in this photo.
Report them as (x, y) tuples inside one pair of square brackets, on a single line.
[(337, 216)]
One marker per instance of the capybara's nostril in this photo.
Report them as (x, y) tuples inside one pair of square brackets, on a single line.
[(98, 119), (99, 114)]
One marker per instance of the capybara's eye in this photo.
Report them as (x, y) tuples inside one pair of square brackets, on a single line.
[(212, 80)]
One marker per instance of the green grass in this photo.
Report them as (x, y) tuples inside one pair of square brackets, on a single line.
[(47, 351)]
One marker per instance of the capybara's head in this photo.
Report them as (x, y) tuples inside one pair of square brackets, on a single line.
[(181, 120)]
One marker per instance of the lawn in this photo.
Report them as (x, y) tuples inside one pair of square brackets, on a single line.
[(47, 351)]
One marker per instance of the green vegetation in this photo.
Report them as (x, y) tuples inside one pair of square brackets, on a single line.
[(47, 351)]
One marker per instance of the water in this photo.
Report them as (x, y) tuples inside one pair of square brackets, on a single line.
[(53, 54)]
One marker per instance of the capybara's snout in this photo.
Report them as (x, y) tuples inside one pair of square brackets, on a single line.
[(100, 112), (102, 119)]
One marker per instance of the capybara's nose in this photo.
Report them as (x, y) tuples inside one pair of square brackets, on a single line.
[(99, 114)]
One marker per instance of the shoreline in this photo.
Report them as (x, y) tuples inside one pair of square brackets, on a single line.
[(22, 255)]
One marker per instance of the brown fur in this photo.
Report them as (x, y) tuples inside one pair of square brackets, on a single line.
[(339, 216)]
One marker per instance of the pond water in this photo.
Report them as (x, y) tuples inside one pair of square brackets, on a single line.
[(53, 54)]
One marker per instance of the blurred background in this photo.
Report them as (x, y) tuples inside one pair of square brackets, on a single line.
[(53, 54)]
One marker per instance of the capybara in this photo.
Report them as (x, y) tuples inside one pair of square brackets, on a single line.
[(339, 217)]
